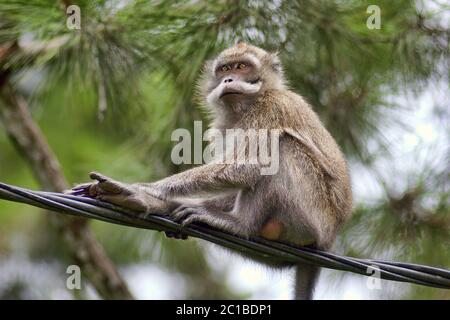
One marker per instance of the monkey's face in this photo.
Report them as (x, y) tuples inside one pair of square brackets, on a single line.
[(236, 82), (239, 75)]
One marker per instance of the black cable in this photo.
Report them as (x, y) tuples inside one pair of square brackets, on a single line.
[(94, 209)]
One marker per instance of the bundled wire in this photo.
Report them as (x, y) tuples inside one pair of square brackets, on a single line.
[(95, 209)]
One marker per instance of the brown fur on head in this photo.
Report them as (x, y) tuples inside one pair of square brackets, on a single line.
[(264, 73)]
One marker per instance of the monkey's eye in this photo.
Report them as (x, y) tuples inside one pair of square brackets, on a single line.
[(241, 66), (225, 67)]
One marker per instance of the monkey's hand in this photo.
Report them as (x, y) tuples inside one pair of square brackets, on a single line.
[(130, 196)]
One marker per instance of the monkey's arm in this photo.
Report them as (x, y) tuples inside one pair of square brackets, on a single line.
[(209, 178), (158, 197), (315, 151), (122, 194)]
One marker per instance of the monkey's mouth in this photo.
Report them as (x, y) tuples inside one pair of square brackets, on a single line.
[(227, 93), (255, 81)]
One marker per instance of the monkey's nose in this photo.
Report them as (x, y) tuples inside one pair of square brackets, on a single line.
[(228, 80)]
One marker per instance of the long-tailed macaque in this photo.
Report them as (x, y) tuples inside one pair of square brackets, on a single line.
[(303, 203)]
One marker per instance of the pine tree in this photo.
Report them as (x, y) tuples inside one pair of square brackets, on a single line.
[(128, 75)]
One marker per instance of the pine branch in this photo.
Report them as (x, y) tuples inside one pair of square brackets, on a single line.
[(79, 239)]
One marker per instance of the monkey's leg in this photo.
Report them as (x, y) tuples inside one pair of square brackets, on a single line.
[(221, 203), (249, 217), (246, 219)]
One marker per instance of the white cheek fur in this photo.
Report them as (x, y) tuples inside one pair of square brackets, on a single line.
[(213, 97), (250, 88)]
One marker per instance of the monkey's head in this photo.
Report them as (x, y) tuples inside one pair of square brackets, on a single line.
[(239, 75)]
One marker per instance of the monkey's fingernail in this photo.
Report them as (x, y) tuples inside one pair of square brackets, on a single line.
[(97, 176)]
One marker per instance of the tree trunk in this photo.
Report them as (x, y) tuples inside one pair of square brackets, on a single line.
[(78, 237)]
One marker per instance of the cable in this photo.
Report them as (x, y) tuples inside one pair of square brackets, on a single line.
[(94, 209)]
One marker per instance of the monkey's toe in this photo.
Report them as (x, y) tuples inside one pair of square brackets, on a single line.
[(176, 235), (193, 217), (181, 215)]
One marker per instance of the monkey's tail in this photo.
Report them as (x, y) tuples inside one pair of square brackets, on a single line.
[(306, 276)]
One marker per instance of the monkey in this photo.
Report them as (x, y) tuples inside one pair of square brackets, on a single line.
[(304, 203)]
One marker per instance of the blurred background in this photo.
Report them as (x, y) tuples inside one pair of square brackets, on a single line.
[(106, 97)]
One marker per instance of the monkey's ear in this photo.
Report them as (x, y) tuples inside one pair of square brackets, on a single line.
[(240, 43), (208, 67), (208, 64)]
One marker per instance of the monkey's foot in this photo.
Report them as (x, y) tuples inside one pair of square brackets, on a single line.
[(189, 214), (181, 213), (178, 215)]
